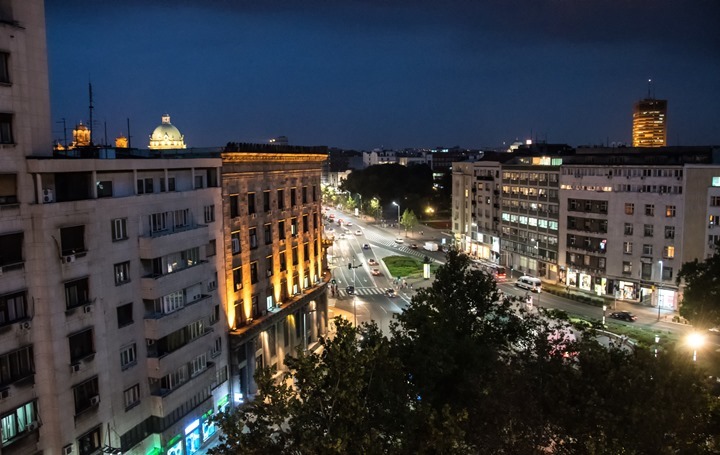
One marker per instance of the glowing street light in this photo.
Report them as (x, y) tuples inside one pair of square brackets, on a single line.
[(695, 340), (604, 310), (398, 206)]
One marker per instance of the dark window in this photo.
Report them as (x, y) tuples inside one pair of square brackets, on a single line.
[(253, 238), (266, 201), (119, 229), (72, 240), (145, 186), (293, 196), (81, 345), (199, 182), (255, 307), (269, 266), (6, 130), (251, 203), (234, 212), (16, 365), (286, 331), (90, 442), (304, 195), (253, 272), (76, 293), (11, 249), (211, 248), (105, 188), (171, 183), (315, 220), (314, 193), (281, 199), (125, 315), (4, 68), (268, 234), (8, 189), (86, 396), (283, 261), (281, 230), (306, 225), (306, 252), (237, 279), (295, 255), (12, 308)]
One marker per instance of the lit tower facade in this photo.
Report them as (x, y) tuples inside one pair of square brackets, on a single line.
[(650, 123)]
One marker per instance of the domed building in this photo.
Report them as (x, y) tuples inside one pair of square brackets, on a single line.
[(166, 136)]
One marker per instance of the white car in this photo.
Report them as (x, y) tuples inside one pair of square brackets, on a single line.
[(399, 240), (358, 232)]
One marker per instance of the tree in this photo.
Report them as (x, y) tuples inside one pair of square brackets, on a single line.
[(701, 296), (408, 220)]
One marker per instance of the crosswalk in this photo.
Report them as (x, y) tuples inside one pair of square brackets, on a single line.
[(342, 293), (383, 241)]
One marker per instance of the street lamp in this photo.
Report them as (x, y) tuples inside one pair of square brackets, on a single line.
[(657, 341), (398, 206), (658, 288), (695, 340), (604, 310)]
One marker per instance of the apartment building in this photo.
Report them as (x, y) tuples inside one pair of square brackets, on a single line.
[(276, 278)]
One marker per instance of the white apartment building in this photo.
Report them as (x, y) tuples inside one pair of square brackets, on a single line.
[(378, 156)]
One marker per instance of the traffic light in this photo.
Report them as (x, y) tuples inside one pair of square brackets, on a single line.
[(332, 281)]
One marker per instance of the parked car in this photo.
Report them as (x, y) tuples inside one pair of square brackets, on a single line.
[(372, 261), (391, 293), (358, 232), (623, 316), (375, 272), (351, 290), (366, 246)]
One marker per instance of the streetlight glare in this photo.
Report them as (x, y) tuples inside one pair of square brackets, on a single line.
[(695, 340)]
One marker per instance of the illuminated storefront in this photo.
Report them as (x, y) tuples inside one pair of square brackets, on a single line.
[(192, 437)]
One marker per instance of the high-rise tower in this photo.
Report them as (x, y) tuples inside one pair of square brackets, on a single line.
[(650, 121)]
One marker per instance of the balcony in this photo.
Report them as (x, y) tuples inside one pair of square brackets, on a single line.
[(159, 325), (171, 240), (164, 364), (165, 401), (155, 286)]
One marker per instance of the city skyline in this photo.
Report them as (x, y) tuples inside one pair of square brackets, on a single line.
[(361, 75)]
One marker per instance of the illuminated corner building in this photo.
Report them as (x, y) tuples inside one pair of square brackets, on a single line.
[(275, 273), (650, 123)]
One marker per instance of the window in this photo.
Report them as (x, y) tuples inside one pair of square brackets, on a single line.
[(306, 225), (669, 252), (269, 265), (304, 195), (293, 196), (82, 345), (314, 193), (76, 293), (283, 261), (627, 268), (199, 184), (235, 242), (293, 227), (16, 365), (601, 263), (158, 222), (667, 273), (198, 365), (145, 186), (119, 229), (627, 247), (268, 234), (11, 249), (647, 250), (6, 130), (8, 189), (90, 442), (172, 302), (251, 203), (237, 278), (629, 208), (131, 396), (211, 249), (104, 188), (4, 68), (648, 230), (628, 229), (12, 308), (306, 251), (266, 201), (670, 211), (649, 210), (124, 315), (128, 356), (253, 272), (255, 307), (295, 255), (181, 218), (281, 230), (72, 240), (234, 208), (17, 422), (281, 199), (209, 213), (669, 232), (715, 201), (122, 273), (603, 206), (253, 238)]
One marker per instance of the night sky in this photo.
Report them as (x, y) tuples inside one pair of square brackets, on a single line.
[(386, 73)]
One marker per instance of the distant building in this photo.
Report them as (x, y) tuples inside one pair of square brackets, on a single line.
[(166, 136), (650, 123), (378, 156)]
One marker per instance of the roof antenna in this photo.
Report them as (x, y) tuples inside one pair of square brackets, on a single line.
[(651, 95), (91, 111)]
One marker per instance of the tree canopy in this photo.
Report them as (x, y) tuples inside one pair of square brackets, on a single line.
[(701, 296), (466, 371)]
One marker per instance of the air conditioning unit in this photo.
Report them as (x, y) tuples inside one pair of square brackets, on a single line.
[(75, 367), (25, 325), (69, 258), (87, 309), (67, 450), (32, 426), (94, 401), (47, 195)]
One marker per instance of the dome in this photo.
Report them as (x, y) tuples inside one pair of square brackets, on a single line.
[(166, 136)]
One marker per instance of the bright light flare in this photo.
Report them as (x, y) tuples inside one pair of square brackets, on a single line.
[(696, 340)]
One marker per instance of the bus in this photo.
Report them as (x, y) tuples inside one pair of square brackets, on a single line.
[(494, 270)]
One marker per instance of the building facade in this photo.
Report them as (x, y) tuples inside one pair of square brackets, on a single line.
[(649, 123)]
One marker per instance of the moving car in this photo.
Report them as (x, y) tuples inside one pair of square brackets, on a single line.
[(623, 316), (391, 293), (372, 261), (399, 240), (375, 272), (358, 232), (413, 246), (349, 223), (351, 290), (366, 246), (529, 282)]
